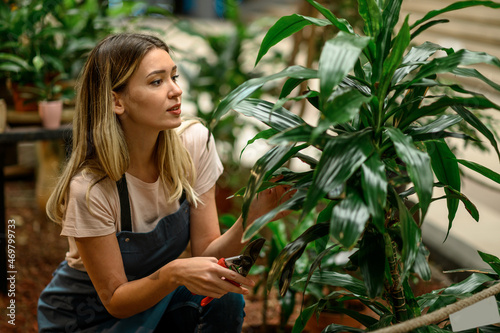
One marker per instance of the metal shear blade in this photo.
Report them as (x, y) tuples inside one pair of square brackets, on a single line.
[(244, 262)]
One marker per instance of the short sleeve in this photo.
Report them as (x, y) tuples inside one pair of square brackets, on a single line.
[(94, 218), (205, 157)]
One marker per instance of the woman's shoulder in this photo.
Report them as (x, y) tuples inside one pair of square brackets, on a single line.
[(192, 126), (85, 179), (193, 132)]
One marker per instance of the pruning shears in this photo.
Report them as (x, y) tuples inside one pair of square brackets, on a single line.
[(241, 264)]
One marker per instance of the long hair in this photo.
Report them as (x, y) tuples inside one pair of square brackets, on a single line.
[(99, 145)]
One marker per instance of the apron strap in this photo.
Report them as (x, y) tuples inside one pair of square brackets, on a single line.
[(126, 219)]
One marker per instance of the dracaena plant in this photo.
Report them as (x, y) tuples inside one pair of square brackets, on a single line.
[(381, 136)]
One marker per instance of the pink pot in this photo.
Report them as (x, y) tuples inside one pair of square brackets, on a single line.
[(50, 112)]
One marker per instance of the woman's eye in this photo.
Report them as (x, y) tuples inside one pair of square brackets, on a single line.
[(175, 77), (156, 82)]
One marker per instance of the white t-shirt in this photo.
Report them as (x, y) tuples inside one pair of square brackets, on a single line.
[(148, 203)]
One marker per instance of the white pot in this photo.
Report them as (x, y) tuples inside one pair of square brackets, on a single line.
[(50, 112)]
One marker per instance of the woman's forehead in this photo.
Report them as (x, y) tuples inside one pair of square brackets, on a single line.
[(156, 60)]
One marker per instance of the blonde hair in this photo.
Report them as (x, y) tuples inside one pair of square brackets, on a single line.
[(99, 145)]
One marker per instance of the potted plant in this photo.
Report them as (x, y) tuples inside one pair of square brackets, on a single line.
[(50, 97), (28, 40), (381, 138)]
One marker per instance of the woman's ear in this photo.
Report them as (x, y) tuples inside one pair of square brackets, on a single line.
[(117, 104)]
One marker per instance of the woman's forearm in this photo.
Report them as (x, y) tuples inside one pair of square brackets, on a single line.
[(139, 295), (228, 244)]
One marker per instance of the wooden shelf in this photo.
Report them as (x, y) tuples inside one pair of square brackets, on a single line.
[(32, 117)]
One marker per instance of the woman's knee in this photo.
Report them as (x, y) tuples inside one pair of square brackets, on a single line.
[(229, 307)]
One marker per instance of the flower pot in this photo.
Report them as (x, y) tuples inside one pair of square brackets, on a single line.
[(23, 101), (50, 112)]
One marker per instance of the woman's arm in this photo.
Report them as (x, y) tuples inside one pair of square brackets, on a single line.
[(103, 262), (206, 239)]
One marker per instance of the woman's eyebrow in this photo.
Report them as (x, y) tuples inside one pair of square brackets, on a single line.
[(162, 71)]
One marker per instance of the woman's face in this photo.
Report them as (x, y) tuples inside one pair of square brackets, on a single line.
[(152, 98)]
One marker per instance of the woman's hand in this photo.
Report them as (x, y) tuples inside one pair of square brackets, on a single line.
[(269, 199), (203, 276)]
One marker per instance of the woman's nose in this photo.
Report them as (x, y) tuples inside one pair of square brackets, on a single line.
[(176, 91)]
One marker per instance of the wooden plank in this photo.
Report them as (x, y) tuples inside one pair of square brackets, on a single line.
[(32, 117)]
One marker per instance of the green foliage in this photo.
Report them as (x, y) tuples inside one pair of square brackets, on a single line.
[(380, 137), (44, 42)]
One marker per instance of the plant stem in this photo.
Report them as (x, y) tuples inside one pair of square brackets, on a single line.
[(395, 290)]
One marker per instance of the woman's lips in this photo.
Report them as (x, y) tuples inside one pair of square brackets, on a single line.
[(176, 109)]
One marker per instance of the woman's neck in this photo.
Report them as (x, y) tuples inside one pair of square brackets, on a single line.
[(142, 159)]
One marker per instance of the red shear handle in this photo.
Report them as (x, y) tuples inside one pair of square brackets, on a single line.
[(207, 299)]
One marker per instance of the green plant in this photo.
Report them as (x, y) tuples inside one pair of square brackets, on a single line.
[(41, 40), (381, 138), (28, 39)]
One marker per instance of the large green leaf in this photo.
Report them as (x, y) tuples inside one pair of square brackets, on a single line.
[(348, 220), (300, 133), (418, 166), (469, 206), (441, 135), (451, 294), (427, 26), (491, 260), (336, 279), (374, 182), (249, 87), (372, 262), (303, 318), (413, 57), (284, 264), (372, 15), (271, 160), (332, 250), (421, 264), (18, 61), (289, 86), (455, 6), (344, 106), (436, 126), (337, 59), (266, 134), (394, 59), (341, 24), (411, 236), (342, 156), (292, 204), (450, 62), (279, 119), (474, 73), (390, 17), (447, 172), (477, 101), (477, 124), (285, 27), (488, 173)]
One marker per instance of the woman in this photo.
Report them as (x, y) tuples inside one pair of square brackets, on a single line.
[(135, 191)]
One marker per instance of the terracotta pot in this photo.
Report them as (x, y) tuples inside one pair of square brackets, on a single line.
[(23, 101), (50, 112)]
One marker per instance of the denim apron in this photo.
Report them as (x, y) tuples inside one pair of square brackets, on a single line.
[(70, 302)]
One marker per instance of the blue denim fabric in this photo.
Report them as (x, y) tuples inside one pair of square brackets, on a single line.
[(185, 314), (70, 302)]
